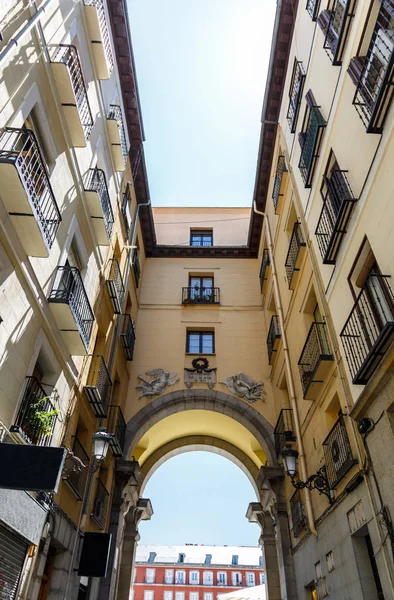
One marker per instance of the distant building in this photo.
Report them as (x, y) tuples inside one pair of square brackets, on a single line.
[(195, 572)]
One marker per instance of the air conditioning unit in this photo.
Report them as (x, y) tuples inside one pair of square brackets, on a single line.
[(378, 61)]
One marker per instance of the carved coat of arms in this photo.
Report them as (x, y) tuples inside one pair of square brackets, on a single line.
[(200, 373)]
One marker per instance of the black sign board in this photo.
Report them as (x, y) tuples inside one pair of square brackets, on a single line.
[(95, 555), (31, 468)]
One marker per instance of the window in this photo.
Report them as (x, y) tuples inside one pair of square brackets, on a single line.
[(201, 289), (335, 24), (169, 576), (152, 555), (310, 139), (250, 579), (222, 578), (234, 559), (208, 578), (167, 595), (180, 577), (201, 238), (194, 577), (208, 596), (312, 6), (193, 596), (149, 595), (260, 561), (179, 595), (181, 557), (200, 342), (262, 578), (33, 123), (150, 575), (295, 94), (208, 558), (236, 578)]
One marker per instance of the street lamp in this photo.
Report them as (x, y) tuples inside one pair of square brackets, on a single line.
[(318, 481), (101, 440)]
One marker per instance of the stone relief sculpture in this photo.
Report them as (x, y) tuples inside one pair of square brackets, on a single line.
[(157, 385), (245, 387)]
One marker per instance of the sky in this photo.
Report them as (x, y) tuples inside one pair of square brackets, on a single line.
[(201, 69), (199, 498)]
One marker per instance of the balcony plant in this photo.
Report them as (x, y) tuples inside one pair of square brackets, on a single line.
[(39, 421)]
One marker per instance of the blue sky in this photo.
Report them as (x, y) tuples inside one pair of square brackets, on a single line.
[(201, 67), (199, 498)]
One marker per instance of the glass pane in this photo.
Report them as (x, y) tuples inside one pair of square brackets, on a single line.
[(194, 343), (207, 343)]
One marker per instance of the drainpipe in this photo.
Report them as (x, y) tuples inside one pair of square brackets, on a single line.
[(290, 380)]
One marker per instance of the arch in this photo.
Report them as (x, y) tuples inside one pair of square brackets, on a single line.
[(195, 399), (195, 443)]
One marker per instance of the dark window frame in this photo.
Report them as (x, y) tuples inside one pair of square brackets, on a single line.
[(298, 75), (200, 334), (201, 233)]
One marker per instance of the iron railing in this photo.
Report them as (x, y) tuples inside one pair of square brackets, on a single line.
[(298, 516), (104, 30), (369, 329), (200, 295), (273, 336), (284, 430), (96, 182), (136, 268), (20, 148), (115, 113), (295, 94), (37, 414), (337, 453), (127, 335), (100, 504), (310, 144), (126, 214), (116, 426), (337, 208), (316, 349), (69, 56), (312, 6), (98, 386), (296, 243), (68, 289), (265, 263), (375, 87), (280, 169), (335, 23), (76, 479), (115, 286)]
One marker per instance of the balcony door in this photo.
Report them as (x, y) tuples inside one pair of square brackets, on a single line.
[(201, 288), (380, 300)]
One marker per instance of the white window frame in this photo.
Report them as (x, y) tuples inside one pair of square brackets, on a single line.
[(177, 572), (150, 575), (208, 596), (250, 579), (262, 578), (219, 574), (207, 578), (194, 596), (167, 595), (169, 576), (234, 577), (149, 595), (179, 595), (197, 579)]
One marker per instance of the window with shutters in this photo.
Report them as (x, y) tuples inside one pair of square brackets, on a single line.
[(236, 578), (335, 23), (310, 139), (295, 94)]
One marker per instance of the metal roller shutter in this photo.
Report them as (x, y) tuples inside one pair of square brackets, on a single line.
[(13, 551)]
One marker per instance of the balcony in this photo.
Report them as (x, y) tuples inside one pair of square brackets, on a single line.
[(117, 136), (99, 36), (115, 286), (136, 268), (200, 295), (374, 72), (277, 197), (76, 479), (127, 335), (369, 329), (284, 430), (26, 191), (116, 426), (297, 513), (37, 414), (68, 75), (71, 308), (337, 208), (273, 338), (312, 6), (295, 256), (265, 263), (100, 504), (315, 361), (99, 205), (98, 386), (337, 453), (295, 94), (310, 141), (335, 23), (127, 220)]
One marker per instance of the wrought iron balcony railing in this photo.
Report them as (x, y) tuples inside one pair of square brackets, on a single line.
[(265, 263), (200, 295), (28, 191), (337, 453), (310, 141), (284, 430), (280, 169), (127, 221), (116, 426), (68, 289), (127, 335), (136, 268), (105, 39), (295, 94), (98, 386), (36, 418), (115, 286), (335, 23), (68, 56), (76, 479), (273, 338), (294, 255), (96, 182), (369, 329), (298, 516), (312, 6), (337, 208), (315, 360), (115, 114), (100, 504), (375, 72)]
